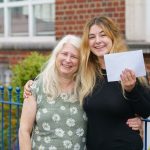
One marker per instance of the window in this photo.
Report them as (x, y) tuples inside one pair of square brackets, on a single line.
[(27, 18)]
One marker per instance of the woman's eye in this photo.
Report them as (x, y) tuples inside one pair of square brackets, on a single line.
[(91, 37), (74, 57), (64, 54)]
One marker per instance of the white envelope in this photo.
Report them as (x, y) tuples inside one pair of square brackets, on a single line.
[(115, 63)]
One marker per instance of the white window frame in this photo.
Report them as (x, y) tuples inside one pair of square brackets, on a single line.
[(31, 37)]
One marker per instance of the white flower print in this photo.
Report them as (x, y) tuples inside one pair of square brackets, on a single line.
[(84, 116), (62, 108), (77, 146), (64, 96), (50, 100), (38, 115), (56, 117), (70, 122), (46, 126), (52, 148), (59, 132), (67, 144), (70, 133), (36, 130), (38, 138), (73, 110), (39, 99), (47, 139), (44, 110), (80, 132), (41, 147)]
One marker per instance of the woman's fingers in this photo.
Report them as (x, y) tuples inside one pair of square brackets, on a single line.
[(135, 123), (128, 79)]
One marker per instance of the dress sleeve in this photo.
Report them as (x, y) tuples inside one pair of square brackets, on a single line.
[(35, 88), (139, 98)]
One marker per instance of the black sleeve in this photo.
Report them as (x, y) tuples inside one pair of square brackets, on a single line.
[(139, 98)]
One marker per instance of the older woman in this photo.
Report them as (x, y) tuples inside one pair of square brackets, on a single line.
[(52, 115)]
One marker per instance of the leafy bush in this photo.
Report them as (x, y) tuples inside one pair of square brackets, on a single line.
[(27, 69)]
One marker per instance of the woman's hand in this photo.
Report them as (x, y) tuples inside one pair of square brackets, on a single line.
[(27, 90), (128, 80), (135, 123)]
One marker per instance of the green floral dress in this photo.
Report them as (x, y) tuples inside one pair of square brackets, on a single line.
[(60, 123)]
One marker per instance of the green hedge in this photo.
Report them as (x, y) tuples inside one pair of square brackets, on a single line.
[(27, 69)]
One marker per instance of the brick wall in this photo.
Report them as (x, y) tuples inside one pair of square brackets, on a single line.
[(13, 57), (71, 15), (147, 62)]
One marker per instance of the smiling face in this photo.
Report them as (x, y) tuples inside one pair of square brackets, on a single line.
[(67, 60), (99, 43)]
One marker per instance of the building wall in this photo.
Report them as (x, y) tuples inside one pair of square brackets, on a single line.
[(13, 57), (71, 15)]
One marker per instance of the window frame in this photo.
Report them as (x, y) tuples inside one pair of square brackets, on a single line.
[(6, 5)]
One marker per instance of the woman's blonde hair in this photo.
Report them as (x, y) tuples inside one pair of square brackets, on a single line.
[(90, 65), (49, 74)]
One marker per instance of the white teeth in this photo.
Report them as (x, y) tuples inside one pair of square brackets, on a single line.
[(99, 47), (66, 66)]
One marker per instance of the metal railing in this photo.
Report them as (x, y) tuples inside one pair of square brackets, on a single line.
[(145, 133), (10, 113), (9, 118)]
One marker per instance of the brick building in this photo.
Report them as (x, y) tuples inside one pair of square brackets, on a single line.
[(67, 17)]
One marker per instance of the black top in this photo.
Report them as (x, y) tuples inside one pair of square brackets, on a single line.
[(108, 110)]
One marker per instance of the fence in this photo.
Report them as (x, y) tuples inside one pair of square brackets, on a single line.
[(9, 121), (145, 135), (9, 118)]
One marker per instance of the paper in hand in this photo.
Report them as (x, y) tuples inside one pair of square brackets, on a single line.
[(115, 63)]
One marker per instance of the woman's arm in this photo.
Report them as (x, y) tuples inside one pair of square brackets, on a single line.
[(27, 122), (137, 95)]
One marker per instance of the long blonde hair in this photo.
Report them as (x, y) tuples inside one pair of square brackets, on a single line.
[(90, 65), (49, 75)]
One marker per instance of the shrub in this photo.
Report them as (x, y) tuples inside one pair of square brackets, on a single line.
[(27, 69)]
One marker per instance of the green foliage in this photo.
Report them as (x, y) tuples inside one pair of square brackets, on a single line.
[(27, 69)]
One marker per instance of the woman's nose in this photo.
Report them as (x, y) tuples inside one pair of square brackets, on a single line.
[(98, 39), (68, 58)]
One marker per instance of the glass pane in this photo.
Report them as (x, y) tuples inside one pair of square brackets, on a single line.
[(1, 22), (15, 0), (19, 21), (44, 19)]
